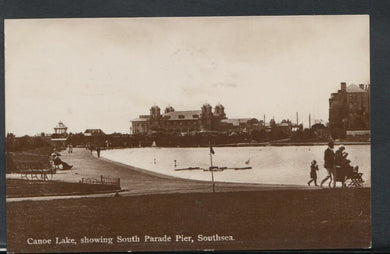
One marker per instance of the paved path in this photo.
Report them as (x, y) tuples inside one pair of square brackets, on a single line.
[(135, 181)]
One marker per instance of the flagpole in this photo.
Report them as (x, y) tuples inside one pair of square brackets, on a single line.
[(211, 167)]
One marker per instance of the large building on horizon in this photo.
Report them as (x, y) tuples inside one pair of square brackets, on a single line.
[(206, 119), (349, 109), (172, 121)]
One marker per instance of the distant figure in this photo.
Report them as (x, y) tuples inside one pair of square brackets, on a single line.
[(98, 151), (71, 148), (313, 173), (107, 144), (68, 148), (329, 164), (154, 160), (174, 162), (247, 162)]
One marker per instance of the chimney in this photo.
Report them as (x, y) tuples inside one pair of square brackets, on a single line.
[(343, 86), (361, 86)]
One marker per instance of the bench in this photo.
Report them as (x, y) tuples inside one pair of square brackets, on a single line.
[(36, 170)]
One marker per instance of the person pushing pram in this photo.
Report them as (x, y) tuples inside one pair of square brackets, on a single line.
[(329, 159), (340, 169)]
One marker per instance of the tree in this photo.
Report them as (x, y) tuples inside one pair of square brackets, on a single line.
[(9, 142)]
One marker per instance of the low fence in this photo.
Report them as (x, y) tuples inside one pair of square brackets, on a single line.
[(358, 132), (103, 180)]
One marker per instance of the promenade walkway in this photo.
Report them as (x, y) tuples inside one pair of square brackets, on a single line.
[(136, 181)]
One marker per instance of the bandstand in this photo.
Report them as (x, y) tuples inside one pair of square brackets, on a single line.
[(60, 135)]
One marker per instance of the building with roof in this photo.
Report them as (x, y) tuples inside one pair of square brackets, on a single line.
[(202, 121), (241, 124), (60, 135), (349, 109), (60, 128), (93, 132), (60, 131), (184, 121)]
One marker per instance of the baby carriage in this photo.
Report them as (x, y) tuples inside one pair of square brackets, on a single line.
[(354, 178), (349, 176)]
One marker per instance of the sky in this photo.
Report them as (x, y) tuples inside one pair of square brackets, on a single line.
[(102, 72)]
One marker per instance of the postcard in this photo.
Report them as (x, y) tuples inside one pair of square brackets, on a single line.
[(188, 133)]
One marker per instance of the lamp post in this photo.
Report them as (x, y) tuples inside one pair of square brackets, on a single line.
[(211, 165), (213, 168)]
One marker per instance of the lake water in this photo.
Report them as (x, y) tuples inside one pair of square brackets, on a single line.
[(270, 164)]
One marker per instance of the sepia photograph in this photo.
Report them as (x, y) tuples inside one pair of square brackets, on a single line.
[(188, 133)]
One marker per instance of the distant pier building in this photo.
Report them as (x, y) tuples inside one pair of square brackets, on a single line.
[(172, 121), (206, 119)]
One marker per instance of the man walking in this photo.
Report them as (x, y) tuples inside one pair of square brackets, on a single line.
[(98, 151), (329, 164)]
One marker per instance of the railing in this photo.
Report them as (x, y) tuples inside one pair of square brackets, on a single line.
[(90, 181), (110, 181), (103, 180)]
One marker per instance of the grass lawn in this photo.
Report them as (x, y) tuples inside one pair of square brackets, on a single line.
[(279, 219)]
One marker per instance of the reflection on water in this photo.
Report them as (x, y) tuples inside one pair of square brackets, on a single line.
[(270, 165)]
